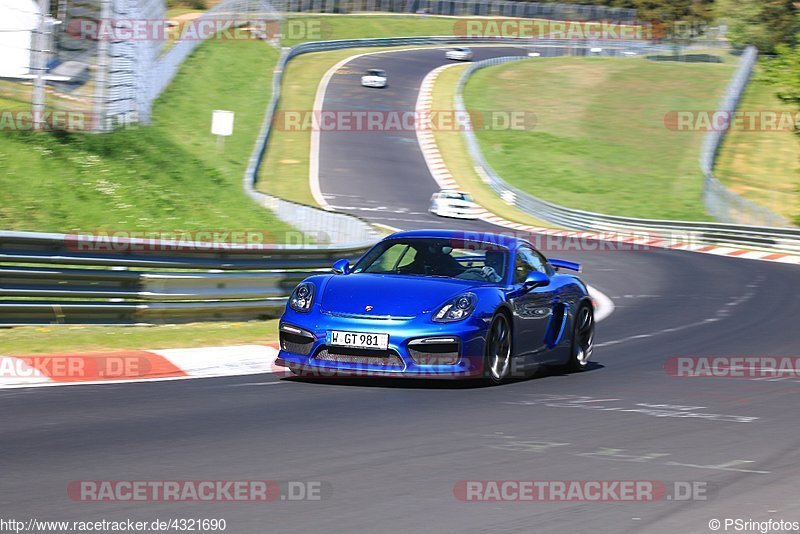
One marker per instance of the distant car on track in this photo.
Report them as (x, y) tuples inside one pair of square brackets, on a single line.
[(456, 204), (439, 304), (459, 54), (374, 78)]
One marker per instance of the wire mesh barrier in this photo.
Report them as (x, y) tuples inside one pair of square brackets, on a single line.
[(722, 203), (102, 63), (240, 12), (772, 238)]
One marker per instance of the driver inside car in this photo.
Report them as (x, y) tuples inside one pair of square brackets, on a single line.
[(493, 265), (433, 260)]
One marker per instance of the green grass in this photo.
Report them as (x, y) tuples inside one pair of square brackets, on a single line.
[(65, 338), (453, 149), (599, 142), (316, 27), (763, 166), (168, 176)]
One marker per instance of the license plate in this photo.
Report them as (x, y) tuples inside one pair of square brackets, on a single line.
[(358, 340)]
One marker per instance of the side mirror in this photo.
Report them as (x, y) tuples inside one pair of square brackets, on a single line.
[(535, 279), (341, 267)]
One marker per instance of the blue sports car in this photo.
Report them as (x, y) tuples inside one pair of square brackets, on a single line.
[(439, 304)]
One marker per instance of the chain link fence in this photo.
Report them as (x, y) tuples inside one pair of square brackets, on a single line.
[(722, 203), (106, 61), (240, 12)]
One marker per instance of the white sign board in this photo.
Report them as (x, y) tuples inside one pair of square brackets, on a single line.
[(222, 122)]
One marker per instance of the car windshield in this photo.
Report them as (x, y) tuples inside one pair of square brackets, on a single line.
[(453, 195), (376, 72), (451, 258)]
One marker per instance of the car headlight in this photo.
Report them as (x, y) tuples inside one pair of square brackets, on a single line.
[(456, 309), (302, 297)]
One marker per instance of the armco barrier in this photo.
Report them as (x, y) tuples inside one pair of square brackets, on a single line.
[(56, 278), (778, 239)]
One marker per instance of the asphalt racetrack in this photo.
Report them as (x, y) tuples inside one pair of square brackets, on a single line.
[(392, 453)]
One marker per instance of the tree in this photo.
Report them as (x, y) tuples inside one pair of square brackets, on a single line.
[(763, 23), (783, 71), (675, 20)]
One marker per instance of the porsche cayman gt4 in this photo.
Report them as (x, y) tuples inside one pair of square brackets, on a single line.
[(439, 304)]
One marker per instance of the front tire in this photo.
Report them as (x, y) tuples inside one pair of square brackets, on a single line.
[(497, 361), (582, 339)]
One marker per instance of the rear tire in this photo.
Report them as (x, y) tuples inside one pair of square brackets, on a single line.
[(582, 339), (497, 360)]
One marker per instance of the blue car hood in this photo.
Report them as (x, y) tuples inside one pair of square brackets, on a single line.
[(395, 295)]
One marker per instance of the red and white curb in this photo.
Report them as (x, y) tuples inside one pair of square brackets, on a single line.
[(123, 366), (567, 239), (425, 137)]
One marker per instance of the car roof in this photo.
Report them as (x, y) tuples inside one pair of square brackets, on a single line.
[(507, 241)]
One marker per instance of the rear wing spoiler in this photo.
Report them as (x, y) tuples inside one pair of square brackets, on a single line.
[(564, 264)]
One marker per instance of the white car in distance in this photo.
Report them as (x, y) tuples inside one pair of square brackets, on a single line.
[(374, 78), (459, 54), (456, 204)]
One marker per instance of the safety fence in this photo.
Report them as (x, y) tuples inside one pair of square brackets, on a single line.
[(722, 203), (65, 279)]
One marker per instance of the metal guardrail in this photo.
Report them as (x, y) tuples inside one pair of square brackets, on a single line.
[(86, 280), (777, 239)]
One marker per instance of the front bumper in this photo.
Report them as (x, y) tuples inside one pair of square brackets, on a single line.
[(404, 357)]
